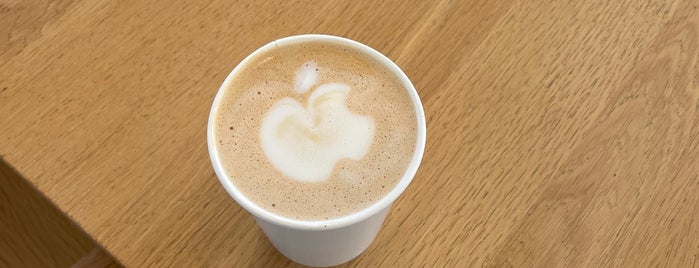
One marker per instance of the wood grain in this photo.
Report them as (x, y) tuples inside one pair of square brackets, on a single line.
[(33, 233), (560, 133), (96, 258)]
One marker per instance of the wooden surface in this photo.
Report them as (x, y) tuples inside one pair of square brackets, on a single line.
[(96, 258), (560, 133), (34, 233)]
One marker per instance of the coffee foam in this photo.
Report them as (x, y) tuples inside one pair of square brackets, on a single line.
[(306, 77), (305, 143), (334, 90)]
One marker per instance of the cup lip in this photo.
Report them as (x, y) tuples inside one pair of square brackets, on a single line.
[(333, 223)]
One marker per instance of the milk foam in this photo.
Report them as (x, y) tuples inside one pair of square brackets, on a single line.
[(305, 143), (282, 90), (306, 77)]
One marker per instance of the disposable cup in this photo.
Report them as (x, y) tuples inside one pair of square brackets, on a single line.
[(324, 242)]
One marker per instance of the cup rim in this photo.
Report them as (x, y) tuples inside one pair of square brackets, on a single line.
[(345, 220)]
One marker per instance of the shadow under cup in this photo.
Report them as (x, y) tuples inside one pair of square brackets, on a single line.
[(333, 241)]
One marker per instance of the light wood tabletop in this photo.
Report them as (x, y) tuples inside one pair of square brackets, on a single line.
[(560, 133)]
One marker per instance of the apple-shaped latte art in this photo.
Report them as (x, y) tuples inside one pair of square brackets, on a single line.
[(305, 143)]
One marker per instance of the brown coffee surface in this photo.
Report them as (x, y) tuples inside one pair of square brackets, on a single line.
[(353, 184)]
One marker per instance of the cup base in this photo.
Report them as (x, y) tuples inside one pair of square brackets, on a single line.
[(327, 247)]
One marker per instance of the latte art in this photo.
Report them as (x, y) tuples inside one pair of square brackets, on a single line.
[(305, 143), (306, 77), (315, 130)]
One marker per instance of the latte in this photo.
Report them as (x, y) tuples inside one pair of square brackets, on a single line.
[(315, 130)]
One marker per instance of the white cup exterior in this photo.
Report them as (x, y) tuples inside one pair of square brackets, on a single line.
[(325, 242), (327, 247)]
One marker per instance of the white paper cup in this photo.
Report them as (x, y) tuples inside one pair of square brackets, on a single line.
[(325, 242)]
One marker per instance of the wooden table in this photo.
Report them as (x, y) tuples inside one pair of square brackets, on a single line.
[(559, 133)]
